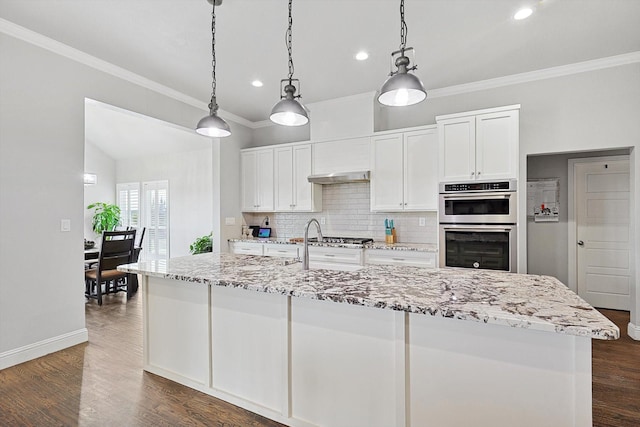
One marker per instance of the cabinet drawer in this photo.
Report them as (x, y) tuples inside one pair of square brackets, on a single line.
[(286, 251), (244, 248), (335, 255), (410, 258)]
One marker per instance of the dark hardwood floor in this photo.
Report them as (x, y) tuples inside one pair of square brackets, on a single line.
[(616, 377), (102, 383)]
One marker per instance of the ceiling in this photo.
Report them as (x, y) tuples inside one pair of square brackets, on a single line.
[(122, 134), (457, 41)]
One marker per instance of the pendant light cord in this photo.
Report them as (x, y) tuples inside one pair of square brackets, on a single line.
[(288, 42), (403, 28), (213, 105)]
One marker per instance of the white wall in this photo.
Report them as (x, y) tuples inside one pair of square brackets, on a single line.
[(190, 177), (41, 167), (98, 162)]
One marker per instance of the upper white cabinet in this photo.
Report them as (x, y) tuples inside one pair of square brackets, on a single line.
[(479, 145), (348, 155), (404, 171), (293, 192), (257, 180)]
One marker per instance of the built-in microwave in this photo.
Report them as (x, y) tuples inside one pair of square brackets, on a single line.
[(492, 202)]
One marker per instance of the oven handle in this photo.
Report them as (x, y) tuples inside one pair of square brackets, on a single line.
[(476, 196), (479, 228)]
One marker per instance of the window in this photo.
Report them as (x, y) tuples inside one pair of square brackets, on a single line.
[(129, 203), (155, 217)]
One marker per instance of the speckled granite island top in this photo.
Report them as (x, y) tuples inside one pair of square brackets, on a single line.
[(518, 300)]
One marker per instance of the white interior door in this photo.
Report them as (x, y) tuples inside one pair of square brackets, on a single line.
[(602, 212)]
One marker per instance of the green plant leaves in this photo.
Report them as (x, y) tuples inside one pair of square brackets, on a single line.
[(202, 245), (105, 218)]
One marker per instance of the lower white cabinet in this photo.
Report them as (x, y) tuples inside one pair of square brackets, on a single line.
[(285, 251), (322, 255), (246, 248), (333, 255), (408, 258)]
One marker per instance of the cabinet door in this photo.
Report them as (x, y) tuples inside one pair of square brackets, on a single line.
[(284, 187), (249, 191), (457, 149), (264, 180), (303, 190), (387, 173), (497, 145), (421, 170)]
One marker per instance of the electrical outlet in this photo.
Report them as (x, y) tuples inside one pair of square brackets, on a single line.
[(230, 220), (323, 221), (422, 221)]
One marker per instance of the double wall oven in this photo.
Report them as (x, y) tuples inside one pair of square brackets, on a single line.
[(478, 225)]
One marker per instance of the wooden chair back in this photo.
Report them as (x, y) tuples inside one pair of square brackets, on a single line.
[(116, 249)]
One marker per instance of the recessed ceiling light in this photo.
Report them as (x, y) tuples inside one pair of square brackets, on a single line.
[(362, 55), (256, 83), (523, 13)]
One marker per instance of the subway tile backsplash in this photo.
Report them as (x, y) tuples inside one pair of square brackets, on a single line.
[(346, 210)]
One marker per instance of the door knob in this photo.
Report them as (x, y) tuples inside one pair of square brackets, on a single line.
[(580, 243)]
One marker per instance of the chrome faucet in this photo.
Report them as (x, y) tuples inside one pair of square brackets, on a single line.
[(305, 259)]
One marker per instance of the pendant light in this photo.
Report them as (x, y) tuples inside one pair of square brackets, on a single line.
[(289, 111), (401, 87), (212, 124)]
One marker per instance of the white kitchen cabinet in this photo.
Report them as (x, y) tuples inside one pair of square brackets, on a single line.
[(404, 171), (257, 180), (333, 255), (280, 250), (479, 145), (293, 192), (406, 258), (246, 248), (348, 155)]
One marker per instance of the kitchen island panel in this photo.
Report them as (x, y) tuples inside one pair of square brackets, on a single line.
[(343, 364), (176, 332), (474, 374), (249, 345)]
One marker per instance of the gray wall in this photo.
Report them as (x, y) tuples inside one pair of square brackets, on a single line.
[(41, 167), (98, 162), (276, 134), (547, 242)]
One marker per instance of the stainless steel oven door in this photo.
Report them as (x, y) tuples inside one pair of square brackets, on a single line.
[(490, 247), (498, 207)]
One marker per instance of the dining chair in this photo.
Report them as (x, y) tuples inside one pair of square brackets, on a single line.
[(117, 248)]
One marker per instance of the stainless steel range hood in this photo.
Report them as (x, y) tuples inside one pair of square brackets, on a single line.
[(339, 177)]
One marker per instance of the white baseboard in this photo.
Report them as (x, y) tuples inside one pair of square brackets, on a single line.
[(633, 331), (42, 348)]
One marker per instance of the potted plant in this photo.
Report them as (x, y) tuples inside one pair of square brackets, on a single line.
[(202, 245), (106, 217)]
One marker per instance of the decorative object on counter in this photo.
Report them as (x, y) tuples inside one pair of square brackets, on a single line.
[(202, 245), (89, 244), (401, 87), (212, 124), (389, 231), (106, 216), (289, 111), (255, 229)]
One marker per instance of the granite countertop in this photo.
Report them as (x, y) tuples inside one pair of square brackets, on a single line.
[(418, 247), (517, 300)]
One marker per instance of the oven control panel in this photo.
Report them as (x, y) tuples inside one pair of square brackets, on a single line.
[(478, 186)]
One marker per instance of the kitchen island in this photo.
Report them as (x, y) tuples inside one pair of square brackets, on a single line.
[(380, 346)]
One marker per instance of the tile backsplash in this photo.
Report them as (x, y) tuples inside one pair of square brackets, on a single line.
[(346, 210)]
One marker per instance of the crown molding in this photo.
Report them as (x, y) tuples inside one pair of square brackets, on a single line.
[(84, 58), (543, 74), (62, 49)]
